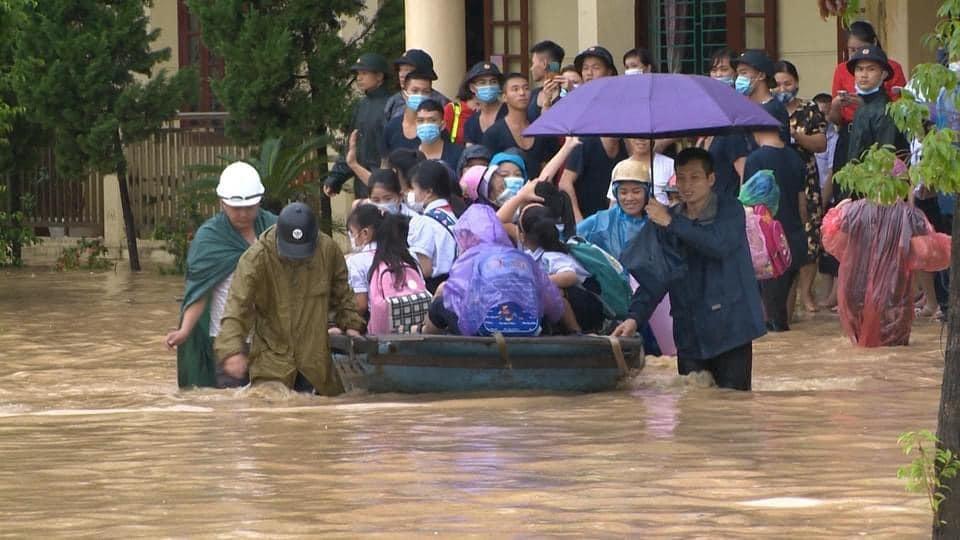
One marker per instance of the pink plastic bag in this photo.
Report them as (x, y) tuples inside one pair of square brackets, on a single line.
[(762, 266)]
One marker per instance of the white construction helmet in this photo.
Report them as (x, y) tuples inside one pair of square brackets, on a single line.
[(240, 185)]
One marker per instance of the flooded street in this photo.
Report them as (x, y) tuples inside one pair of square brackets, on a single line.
[(96, 440)]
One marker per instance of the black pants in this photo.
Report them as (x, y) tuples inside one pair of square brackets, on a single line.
[(732, 369), (775, 293)]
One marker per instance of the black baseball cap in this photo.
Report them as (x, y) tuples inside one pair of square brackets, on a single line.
[(597, 52), (756, 59), (296, 232), (484, 69), (872, 53), (420, 60), (371, 62)]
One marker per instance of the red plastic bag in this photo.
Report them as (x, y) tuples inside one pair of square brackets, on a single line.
[(877, 253)]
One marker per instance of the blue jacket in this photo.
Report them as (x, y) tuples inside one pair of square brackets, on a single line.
[(716, 303)]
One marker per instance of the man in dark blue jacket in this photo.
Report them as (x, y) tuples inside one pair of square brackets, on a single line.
[(713, 292)]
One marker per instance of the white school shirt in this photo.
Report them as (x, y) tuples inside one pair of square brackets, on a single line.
[(662, 171), (428, 237), (443, 206), (554, 262), (358, 268), (218, 302)]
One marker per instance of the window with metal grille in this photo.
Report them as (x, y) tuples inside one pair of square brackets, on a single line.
[(193, 53), (507, 33)]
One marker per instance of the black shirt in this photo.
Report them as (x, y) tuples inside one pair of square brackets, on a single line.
[(593, 167), (779, 111), (499, 138), (393, 137), (533, 110), (789, 170), (725, 150), (472, 132), (451, 153)]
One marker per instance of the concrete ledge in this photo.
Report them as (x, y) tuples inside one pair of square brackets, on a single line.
[(152, 252)]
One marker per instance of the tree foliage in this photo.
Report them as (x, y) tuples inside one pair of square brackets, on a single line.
[(287, 63)]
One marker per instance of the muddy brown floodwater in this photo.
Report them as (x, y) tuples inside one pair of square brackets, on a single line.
[(96, 441)]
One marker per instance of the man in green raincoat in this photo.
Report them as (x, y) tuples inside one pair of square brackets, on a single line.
[(211, 260), (283, 291)]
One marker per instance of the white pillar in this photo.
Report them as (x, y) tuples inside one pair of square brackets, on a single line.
[(113, 234), (437, 27)]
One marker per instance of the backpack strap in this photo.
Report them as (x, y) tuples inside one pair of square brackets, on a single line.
[(457, 109), (456, 246)]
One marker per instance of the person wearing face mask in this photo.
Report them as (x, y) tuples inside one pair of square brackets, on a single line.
[(485, 81), (431, 132), (871, 123), (412, 60), (611, 230), (755, 80), (401, 131), (430, 241), (638, 61), (431, 193), (503, 180), (808, 134), (727, 152)]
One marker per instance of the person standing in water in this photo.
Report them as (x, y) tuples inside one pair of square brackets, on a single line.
[(284, 289), (211, 261)]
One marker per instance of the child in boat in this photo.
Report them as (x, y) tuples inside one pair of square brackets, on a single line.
[(375, 237), (540, 238), (493, 286)]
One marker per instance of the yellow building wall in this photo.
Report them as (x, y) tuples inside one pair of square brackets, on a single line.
[(163, 15), (810, 43), (555, 20)]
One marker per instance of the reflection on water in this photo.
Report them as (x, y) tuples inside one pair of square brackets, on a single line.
[(95, 440)]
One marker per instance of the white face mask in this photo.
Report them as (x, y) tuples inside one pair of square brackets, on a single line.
[(413, 204), (389, 207), (633, 71), (353, 242)]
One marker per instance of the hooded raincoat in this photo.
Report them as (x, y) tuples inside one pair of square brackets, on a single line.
[(611, 230), (286, 305), (213, 255), (481, 237), (879, 247)]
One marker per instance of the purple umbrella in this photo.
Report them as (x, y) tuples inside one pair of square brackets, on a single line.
[(651, 106)]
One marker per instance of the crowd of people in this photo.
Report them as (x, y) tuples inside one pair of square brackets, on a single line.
[(464, 225)]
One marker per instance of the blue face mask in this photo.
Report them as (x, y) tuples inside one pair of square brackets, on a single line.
[(729, 81), (414, 101), (428, 133), (563, 92), (862, 92), (743, 85), (786, 97), (511, 186), (489, 93)]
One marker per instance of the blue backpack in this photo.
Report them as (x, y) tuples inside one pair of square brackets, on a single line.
[(508, 277)]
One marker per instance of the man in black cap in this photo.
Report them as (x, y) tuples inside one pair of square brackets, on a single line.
[(283, 290), (586, 175), (486, 83), (871, 124), (412, 60), (366, 127), (595, 62), (755, 79)]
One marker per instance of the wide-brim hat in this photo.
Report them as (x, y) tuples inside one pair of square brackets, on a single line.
[(873, 54), (371, 62), (597, 52), (297, 232), (756, 59)]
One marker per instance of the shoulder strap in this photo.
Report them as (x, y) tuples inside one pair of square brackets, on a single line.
[(456, 246), (456, 122)]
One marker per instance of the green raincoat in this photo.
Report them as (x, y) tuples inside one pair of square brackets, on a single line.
[(286, 305), (213, 255)]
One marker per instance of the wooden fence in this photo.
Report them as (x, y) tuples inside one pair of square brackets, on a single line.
[(157, 170)]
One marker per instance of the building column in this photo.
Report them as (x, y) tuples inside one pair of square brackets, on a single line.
[(438, 27), (610, 23)]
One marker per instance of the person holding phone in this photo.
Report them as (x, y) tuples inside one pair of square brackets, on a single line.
[(545, 60)]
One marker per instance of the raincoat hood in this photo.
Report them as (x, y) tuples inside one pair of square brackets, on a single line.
[(480, 225)]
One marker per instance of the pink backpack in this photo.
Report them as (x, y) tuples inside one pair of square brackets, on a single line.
[(777, 247), (396, 310), (762, 266)]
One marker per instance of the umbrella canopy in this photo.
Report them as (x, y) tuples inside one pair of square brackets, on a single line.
[(651, 106)]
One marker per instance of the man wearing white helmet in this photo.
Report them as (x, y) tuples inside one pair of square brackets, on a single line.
[(211, 261)]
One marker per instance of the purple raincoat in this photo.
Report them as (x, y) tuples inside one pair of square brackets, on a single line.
[(481, 236)]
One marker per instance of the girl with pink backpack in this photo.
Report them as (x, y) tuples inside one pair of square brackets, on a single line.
[(383, 273)]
